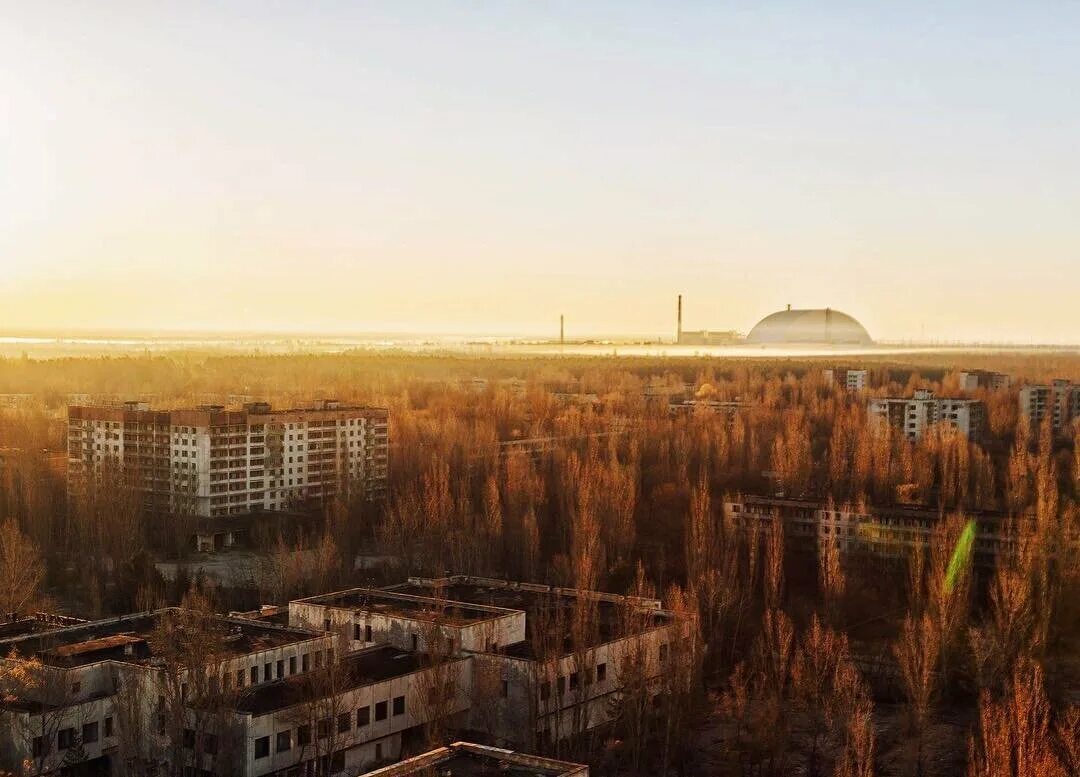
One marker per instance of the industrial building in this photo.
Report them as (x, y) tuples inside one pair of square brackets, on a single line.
[(465, 759), (809, 327), (701, 336), (915, 416), (341, 683), (213, 462), (1059, 401)]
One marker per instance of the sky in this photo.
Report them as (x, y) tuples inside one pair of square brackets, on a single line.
[(485, 167)]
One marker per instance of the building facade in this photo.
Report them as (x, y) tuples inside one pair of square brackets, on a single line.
[(981, 379), (337, 684), (213, 462), (851, 380), (1059, 402), (914, 417)]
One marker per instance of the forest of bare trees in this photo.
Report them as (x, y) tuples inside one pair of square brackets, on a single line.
[(795, 661)]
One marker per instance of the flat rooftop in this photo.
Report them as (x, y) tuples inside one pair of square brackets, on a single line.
[(406, 604), (545, 607), (463, 759), (130, 638), (364, 667)]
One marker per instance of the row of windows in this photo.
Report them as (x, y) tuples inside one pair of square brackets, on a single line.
[(68, 738), (283, 740)]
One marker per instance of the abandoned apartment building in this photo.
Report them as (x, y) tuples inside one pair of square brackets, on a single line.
[(341, 683)]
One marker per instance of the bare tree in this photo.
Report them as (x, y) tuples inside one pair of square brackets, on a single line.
[(21, 570)]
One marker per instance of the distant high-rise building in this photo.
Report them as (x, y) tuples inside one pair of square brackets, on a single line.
[(977, 379), (1060, 402), (914, 416), (211, 462), (852, 380)]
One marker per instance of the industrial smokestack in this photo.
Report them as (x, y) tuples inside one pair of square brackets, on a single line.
[(562, 331), (678, 322)]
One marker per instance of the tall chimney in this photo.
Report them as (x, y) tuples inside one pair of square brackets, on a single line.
[(562, 331), (678, 322)]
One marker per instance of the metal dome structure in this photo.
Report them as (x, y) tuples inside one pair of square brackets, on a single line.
[(818, 326)]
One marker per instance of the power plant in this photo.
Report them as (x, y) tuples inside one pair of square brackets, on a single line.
[(701, 336), (815, 326)]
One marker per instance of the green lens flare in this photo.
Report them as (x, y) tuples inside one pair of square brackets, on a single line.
[(959, 561)]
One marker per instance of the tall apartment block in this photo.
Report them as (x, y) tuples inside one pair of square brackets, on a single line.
[(213, 462), (852, 380), (914, 416), (1060, 402), (981, 379)]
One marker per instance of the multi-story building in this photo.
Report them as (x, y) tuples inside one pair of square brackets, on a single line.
[(337, 684), (851, 380), (974, 380), (1060, 402), (914, 416), (887, 532), (92, 692), (214, 462)]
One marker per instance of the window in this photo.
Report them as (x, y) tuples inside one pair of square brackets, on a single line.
[(378, 751), (415, 642), (108, 726), (560, 686), (367, 633), (266, 672), (326, 624), (189, 739), (262, 747), (573, 681), (344, 722), (292, 664), (545, 691), (65, 738), (363, 717), (322, 728), (399, 705), (505, 689), (601, 672), (75, 688), (284, 741), (239, 678), (305, 662), (318, 659), (356, 632), (36, 747), (210, 744), (90, 733), (303, 736), (254, 675), (337, 762), (280, 669), (380, 710)]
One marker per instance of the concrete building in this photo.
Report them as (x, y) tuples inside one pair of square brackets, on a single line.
[(982, 379), (914, 417), (1059, 401), (885, 532), (86, 685), (851, 380), (213, 462), (340, 683), (464, 759)]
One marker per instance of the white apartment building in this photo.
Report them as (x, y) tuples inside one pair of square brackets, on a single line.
[(851, 380), (981, 379), (1060, 402), (343, 689), (914, 417), (213, 462)]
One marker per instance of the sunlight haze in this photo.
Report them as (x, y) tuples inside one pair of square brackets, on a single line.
[(484, 168)]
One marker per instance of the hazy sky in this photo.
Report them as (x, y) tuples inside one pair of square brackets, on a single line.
[(485, 166)]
